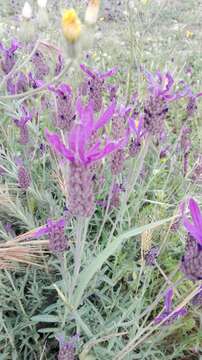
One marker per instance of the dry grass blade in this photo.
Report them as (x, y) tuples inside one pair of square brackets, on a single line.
[(5, 196), (29, 253)]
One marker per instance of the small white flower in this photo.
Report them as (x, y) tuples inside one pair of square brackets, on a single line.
[(42, 3), (27, 11)]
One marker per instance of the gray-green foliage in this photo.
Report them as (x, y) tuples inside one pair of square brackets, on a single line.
[(116, 296)]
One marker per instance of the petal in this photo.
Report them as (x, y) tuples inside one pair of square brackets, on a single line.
[(40, 232), (58, 145), (105, 117), (169, 81), (193, 231), (109, 73), (195, 213), (87, 71)]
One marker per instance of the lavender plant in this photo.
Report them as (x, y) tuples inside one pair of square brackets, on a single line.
[(94, 167)]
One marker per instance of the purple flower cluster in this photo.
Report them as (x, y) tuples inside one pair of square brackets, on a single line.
[(18, 83), (81, 154), (56, 232), (8, 56), (160, 94), (22, 125), (192, 101), (94, 85), (191, 264), (151, 256), (65, 110), (23, 178), (167, 310), (67, 348), (41, 69)]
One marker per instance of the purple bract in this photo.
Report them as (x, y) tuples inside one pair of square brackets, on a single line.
[(79, 150), (167, 310), (195, 228)]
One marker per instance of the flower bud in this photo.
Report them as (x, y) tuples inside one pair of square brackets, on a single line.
[(27, 11), (92, 11)]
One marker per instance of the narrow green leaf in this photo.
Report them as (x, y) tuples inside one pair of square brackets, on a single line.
[(87, 274), (45, 318)]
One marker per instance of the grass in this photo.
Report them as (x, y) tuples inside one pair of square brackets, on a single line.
[(111, 297)]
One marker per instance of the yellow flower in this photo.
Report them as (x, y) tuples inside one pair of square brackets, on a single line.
[(92, 11), (71, 25), (189, 34)]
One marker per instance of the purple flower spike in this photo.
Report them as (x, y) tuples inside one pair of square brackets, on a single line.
[(33, 82), (17, 84), (192, 102), (195, 228), (136, 127), (167, 310), (55, 230), (64, 115), (160, 94), (67, 348), (8, 60), (94, 85), (41, 69), (22, 125), (161, 85), (83, 150)]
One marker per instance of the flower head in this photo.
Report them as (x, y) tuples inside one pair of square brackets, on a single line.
[(8, 60), (67, 348), (79, 150), (161, 85), (94, 85), (22, 125), (195, 228), (65, 112), (192, 102), (71, 25), (191, 263), (55, 230), (160, 94), (24, 179), (17, 84)]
